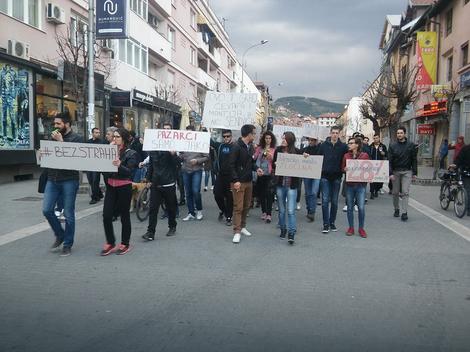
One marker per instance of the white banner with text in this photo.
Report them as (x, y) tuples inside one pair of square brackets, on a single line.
[(176, 140), (297, 165), (367, 170)]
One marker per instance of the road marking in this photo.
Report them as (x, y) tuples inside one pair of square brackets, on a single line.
[(32, 230), (461, 230)]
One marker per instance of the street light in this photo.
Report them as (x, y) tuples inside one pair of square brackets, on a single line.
[(264, 41)]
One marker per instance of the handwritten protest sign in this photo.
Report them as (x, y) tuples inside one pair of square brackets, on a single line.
[(78, 156), (316, 131), (296, 165), (367, 171), (279, 130), (229, 110), (176, 140)]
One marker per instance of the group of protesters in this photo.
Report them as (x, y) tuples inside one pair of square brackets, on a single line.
[(237, 165)]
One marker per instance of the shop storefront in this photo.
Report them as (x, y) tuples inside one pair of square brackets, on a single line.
[(138, 111)]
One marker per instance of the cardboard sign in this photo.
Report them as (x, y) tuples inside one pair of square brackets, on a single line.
[(229, 110), (297, 165), (177, 140), (367, 171), (315, 131), (78, 156), (279, 130)]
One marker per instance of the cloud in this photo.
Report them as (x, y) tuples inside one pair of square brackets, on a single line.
[(326, 49)]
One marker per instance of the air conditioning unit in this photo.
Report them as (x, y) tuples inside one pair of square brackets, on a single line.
[(107, 44), (55, 14), (18, 49)]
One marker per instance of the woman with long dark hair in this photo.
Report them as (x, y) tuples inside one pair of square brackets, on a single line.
[(118, 194), (286, 191), (264, 154)]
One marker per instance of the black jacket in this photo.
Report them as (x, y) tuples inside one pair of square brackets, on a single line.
[(129, 162), (295, 181), (242, 164), (222, 151), (463, 159), (332, 159), (138, 147), (375, 154), (162, 168), (58, 175), (312, 150), (403, 157)]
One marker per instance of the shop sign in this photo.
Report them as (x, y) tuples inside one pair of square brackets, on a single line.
[(426, 128), (465, 80), (154, 101), (111, 19), (427, 59), (434, 108), (120, 99), (440, 91)]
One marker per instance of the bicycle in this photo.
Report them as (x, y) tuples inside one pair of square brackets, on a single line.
[(142, 208), (452, 190)]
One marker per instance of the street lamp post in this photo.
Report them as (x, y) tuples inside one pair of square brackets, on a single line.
[(243, 59)]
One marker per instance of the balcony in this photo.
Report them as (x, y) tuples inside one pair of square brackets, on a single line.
[(214, 56), (206, 80), (164, 5), (145, 34)]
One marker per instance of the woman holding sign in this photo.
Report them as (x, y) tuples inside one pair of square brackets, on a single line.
[(118, 194), (355, 191), (286, 191)]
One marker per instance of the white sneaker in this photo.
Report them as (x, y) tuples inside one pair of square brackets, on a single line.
[(236, 238), (189, 217), (356, 208), (199, 215), (58, 213), (382, 191), (299, 206), (205, 189), (245, 232), (345, 208), (212, 188)]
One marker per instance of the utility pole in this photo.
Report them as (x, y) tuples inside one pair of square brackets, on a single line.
[(243, 61), (90, 119)]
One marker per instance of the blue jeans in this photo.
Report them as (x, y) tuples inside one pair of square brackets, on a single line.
[(192, 186), (356, 195), (67, 190), (330, 192), (287, 198), (311, 190)]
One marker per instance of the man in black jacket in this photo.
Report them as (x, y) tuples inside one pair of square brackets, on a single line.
[(94, 176), (222, 192), (463, 163), (161, 175), (62, 184), (403, 169), (311, 185), (378, 151), (242, 166), (333, 151)]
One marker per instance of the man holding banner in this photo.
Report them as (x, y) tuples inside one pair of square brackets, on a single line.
[(62, 184)]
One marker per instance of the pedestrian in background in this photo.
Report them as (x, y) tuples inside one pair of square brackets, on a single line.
[(118, 194), (312, 185), (355, 191), (263, 156), (286, 191), (457, 147), (403, 169), (443, 152), (94, 176), (378, 151)]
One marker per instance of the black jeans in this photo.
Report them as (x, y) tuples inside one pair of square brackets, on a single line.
[(159, 195), (180, 183), (94, 181), (266, 194), (466, 185), (375, 187), (223, 195), (117, 199)]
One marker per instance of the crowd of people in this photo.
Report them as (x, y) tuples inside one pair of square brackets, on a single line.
[(244, 174)]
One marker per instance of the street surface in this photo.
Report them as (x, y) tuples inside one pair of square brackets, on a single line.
[(405, 288)]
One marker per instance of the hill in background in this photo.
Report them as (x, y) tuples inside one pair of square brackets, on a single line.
[(307, 106)]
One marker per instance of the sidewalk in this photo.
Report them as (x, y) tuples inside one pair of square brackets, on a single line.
[(21, 205)]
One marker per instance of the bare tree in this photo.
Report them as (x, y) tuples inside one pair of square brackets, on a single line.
[(169, 95), (375, 108)]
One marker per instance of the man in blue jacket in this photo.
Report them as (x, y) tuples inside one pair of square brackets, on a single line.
[(333, 151)]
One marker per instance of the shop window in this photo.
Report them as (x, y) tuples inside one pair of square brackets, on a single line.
[(48, 86), (46, 109), (28, 11)]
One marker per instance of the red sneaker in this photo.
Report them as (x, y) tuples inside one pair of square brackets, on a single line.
[(123, 249), (107, 249), (350, 231), (362, 233)]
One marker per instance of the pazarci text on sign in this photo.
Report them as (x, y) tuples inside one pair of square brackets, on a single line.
[(297, 165), (367, 170), (176, 140), (229, 110), (78, 156)]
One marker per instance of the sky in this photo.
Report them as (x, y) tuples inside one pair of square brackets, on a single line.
[(326, 49)]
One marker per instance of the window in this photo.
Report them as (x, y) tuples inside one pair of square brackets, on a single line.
[(192, 56), (450, 63), (134, 54), (172, 37), (78, 31), (192, 18), (140, 7), (465, 54), (449, 16), (27, 11)]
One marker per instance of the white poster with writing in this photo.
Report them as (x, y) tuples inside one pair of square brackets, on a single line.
[(78, 156), (176, 140), (279, 130), (367, 171), (297, 165), (229, 110)]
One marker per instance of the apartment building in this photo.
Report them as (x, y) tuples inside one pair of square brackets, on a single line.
[(176, 51)]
